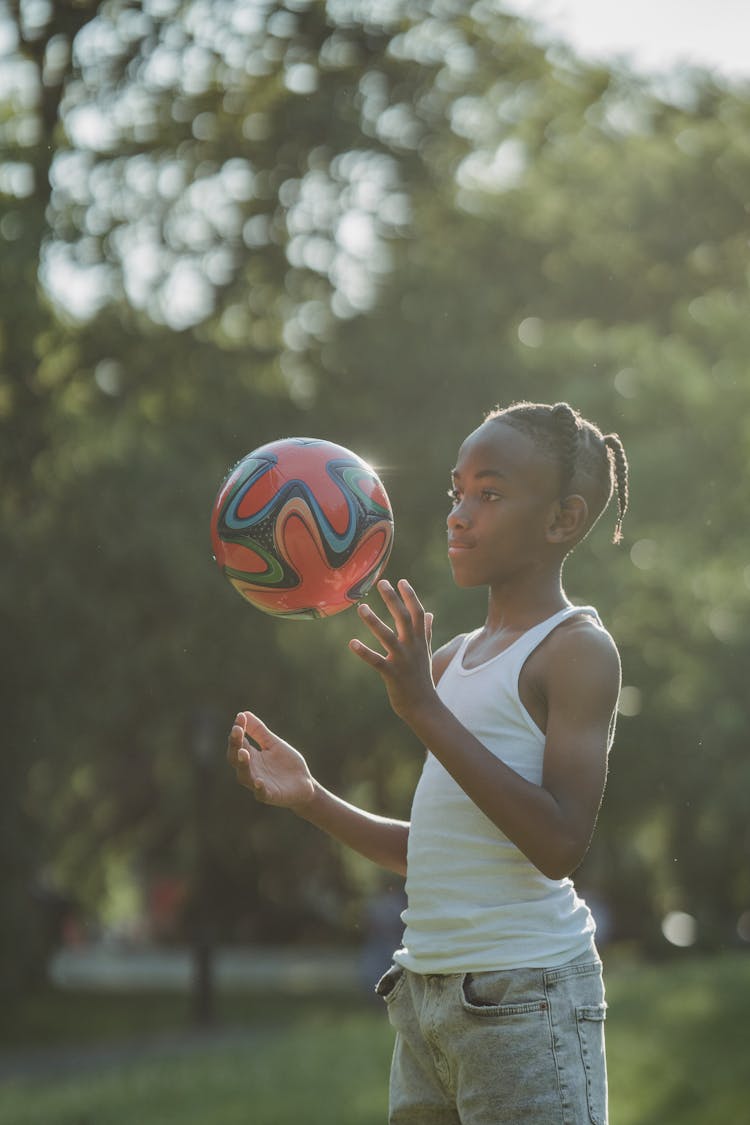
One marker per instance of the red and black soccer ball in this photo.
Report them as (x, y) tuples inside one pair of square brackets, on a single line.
[(302, 528)]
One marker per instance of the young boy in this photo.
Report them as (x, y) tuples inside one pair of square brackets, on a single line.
[(496, 995)]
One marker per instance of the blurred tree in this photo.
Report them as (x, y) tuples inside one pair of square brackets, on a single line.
[(35, 362), (632, 306), (369, 222)]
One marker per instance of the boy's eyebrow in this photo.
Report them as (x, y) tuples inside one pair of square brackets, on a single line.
[(482, 474)]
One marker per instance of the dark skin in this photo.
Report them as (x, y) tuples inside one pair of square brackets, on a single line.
[(509, 530)]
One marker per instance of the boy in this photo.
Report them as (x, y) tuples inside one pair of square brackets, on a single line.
[(496, 995)]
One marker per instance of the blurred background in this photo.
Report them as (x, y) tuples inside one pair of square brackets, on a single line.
[(228, 222)]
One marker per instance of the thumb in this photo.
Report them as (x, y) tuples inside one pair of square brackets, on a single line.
[(256, 729)]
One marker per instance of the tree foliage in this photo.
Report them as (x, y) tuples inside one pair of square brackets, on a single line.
[(228, 222)]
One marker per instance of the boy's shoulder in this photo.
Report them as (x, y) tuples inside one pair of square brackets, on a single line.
[(585, 631), (579, 644)]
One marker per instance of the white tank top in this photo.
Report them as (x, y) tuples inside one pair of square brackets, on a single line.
[(475, 902)]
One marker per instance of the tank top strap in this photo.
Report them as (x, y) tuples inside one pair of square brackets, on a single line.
[(521, 650)]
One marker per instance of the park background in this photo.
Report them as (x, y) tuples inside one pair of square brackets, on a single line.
[(228, 222)]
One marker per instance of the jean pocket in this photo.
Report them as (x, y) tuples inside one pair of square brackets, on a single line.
[(390, 983), (590, 1020), (499, 995)]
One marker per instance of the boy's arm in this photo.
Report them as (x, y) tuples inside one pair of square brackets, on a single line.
[(581, 682), (277, 774), (377, 838), (551, 823)]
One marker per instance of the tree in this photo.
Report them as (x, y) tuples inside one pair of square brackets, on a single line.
[(33, 367), (366, 223)]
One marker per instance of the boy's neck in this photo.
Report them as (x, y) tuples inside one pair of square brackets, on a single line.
[(519, 605)]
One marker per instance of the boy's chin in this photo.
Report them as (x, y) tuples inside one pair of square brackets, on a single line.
[(466, 581)]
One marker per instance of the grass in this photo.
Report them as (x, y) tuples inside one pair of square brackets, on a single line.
[(677, 1045), (678, 1041), (57, 1017), (298, 1061), (320, 1068)]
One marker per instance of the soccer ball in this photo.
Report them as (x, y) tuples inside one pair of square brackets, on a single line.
[(302, 528)]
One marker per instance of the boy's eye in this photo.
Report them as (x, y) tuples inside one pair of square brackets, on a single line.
[(487, 494)]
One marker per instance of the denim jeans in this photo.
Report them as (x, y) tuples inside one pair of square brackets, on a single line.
[(499, 1048)]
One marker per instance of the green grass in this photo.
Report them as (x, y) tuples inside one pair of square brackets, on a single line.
[(677, 1045), (321, 1069), (678, 1041), (60, 1017)]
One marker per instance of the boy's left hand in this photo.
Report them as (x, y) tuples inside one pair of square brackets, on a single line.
[(406, 666)]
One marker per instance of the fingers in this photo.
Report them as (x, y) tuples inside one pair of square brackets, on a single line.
[(414, 607), (377, 627), (404, 607), (374, 659), (240, 757), (256, 730), (247, 736), (409, 618), (235, 740), (396, 607)]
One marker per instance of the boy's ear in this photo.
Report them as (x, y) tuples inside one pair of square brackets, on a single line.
[(569, 519)]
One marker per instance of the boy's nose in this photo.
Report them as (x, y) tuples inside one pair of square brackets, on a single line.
[(458, 517)]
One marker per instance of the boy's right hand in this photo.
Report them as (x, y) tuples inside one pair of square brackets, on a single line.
[(273, 771)]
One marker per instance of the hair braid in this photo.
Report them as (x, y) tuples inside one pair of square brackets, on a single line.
[(568, 425), (619, 463), (589, 462)]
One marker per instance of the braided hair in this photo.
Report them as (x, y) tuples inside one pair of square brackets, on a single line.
[(589, 461)]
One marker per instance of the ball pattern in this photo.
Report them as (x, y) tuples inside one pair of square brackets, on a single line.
[(302, 528)]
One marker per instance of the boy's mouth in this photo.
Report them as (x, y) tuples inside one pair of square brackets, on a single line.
[(455, 546)]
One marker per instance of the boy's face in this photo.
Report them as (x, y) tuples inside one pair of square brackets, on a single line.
[(504, 495)]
